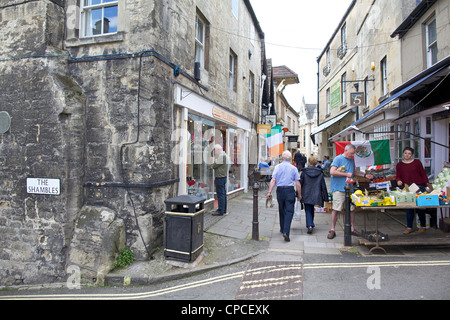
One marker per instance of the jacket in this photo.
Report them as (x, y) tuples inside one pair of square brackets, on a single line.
[(314, 188), (221, 166)]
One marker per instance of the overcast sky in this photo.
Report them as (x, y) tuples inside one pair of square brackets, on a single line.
[(296, 32)]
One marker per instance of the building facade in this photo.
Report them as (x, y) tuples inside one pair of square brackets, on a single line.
[(357, 69), (116, 105)]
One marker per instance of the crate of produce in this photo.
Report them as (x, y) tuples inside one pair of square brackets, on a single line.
[(401, 197), (427, 200)]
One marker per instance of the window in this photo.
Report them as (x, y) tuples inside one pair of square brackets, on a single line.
[(328, 101), (232, 79), (98, 17), (200, 41), (384, 82), (431, 38), (235, 8), (251, 88), (344, 36), (344, 88), (366, 91)]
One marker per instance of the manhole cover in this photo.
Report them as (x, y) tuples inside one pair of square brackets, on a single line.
[(272, 280)]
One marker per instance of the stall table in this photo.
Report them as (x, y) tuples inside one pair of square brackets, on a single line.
[(441, 239)]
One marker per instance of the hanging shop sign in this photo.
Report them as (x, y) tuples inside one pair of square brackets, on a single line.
[(222, 115)]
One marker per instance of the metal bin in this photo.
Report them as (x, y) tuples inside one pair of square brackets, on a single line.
[(184, 228)]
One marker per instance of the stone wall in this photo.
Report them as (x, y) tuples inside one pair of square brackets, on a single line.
[(101, 122)]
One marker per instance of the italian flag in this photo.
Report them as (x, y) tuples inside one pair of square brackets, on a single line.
[(275, 142), (368, 153)]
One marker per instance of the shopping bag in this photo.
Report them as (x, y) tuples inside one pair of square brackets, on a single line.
[(297, 211)]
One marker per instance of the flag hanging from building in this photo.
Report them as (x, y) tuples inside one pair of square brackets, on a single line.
[(275, 142), (368, 153)]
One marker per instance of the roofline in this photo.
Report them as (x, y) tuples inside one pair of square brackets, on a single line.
[(254, 18), (350, 8), (412, 19)]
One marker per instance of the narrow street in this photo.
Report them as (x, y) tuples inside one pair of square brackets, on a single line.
[(317, 277)]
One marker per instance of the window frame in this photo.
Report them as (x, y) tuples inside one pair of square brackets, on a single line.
[(431, 47), (232, 71), (200, 44), (85, 10), (384, 77)]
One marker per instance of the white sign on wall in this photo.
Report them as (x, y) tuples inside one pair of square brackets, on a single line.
[(43, 186)]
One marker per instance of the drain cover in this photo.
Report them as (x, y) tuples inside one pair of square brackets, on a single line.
[(272, 280)]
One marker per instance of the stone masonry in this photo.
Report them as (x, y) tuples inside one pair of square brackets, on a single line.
[(97, 113)]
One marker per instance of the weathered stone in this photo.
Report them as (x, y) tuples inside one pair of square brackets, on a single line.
[(97, 239)]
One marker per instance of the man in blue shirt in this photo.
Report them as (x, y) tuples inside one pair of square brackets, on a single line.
[(343, 167), (286, 177)]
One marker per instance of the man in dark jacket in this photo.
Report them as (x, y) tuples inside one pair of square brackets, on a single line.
[(314, 190)]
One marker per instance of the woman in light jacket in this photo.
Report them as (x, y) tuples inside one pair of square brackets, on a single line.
[(314, 190)]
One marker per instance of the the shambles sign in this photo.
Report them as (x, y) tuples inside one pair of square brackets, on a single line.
[(43, 186)]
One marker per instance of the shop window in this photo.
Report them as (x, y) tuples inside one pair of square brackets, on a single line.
[(235, 144), (199, 175), (98, 17)]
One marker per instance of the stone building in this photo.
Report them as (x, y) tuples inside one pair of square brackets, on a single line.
[(357, 70), (103, 104)]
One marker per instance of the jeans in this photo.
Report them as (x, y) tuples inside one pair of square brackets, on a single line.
[(286, 204), (221, 191), (309, 213)]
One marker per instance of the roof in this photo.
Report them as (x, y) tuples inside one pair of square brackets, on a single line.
[(411, 20), (283, 72), (254, 18)]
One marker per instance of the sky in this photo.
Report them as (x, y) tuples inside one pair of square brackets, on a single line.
[(296, 32)]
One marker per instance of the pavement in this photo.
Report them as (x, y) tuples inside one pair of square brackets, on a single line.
[(228, 240)]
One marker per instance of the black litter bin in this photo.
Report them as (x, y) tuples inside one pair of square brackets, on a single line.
[(184, 228)]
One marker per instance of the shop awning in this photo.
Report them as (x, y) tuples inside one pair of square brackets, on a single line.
[(327, 124), (397, 94)]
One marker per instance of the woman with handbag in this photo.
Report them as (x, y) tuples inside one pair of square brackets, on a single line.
[(314, 190)]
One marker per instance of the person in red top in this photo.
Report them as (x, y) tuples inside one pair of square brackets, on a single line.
[(410, 171)]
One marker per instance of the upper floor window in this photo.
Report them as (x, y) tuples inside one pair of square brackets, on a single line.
[(232, 72), (384, 77), (432, 49), (200, 41), (235, 7), (251, 88), (98, 17), (344, 88)]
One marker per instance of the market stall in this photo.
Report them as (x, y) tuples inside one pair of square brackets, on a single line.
[(382, 196)]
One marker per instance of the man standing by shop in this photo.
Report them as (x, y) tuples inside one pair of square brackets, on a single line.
[(343, 167), (220, 167), (286, 178)]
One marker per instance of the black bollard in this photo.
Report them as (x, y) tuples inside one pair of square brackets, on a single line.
[(347, 222), (255, 226)]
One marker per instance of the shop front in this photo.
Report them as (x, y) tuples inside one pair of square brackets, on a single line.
[(202, 125)]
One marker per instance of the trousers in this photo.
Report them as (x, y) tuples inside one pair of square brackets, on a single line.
[(221, 191), (286, 204)]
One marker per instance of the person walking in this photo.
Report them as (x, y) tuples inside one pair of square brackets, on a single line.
[(314, 190), (346, 165), (286, 178), (410, 171), (220, 166)]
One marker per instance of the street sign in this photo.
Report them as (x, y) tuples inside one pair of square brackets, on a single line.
[(43, 186)]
